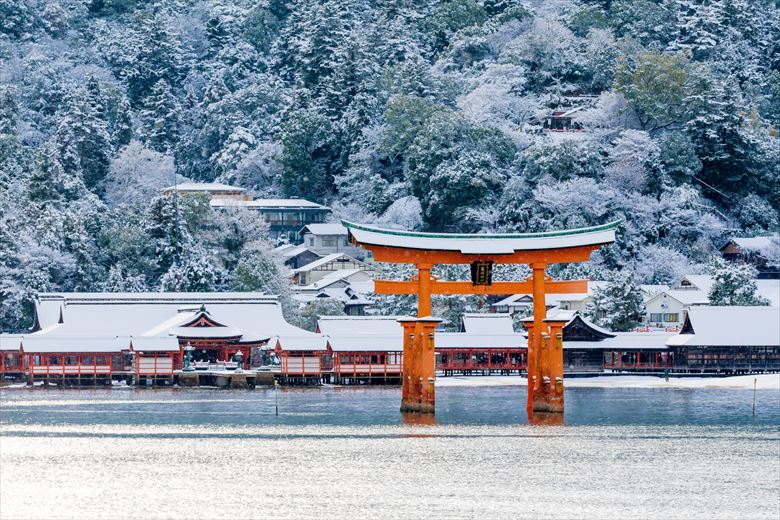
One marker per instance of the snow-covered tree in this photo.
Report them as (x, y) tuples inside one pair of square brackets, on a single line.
[(619, 305), (195, 272), (733, 284)]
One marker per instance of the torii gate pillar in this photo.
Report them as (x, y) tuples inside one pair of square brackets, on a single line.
[(418, 392)]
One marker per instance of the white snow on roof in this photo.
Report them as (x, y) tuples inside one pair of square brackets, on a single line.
[(205, 332), (655, 340), (466, 340), (366, 342), (204, 187), (33, 344), (475, 244), (309, 341), (10, 341), (295, 251), (154, 344), (759, 244), (551, 299), (731, 327), (351, 276), (322, 261), (324, 229), (352, 325), (480, 323), (769, 289), (266, 204), (157, 314)]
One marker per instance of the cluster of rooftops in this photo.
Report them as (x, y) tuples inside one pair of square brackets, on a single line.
[(108, 322)]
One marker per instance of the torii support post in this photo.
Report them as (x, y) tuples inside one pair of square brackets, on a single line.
[(418, 392), (538, 250)]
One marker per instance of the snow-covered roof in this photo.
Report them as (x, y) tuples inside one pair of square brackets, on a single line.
[(366, 342), (206, 332), (759, 244), (769, 289), (655, 340), (346, 275), (729, 327), (483, 244), (324, 229), (702, 282), (205, 187), (254, 315), (154, 344), (551, 299), (495, 323), (33, 344), (308, 342), (269, 203), (10, 341), (351, 325), (466, 340), (322, 261), (295, 251)]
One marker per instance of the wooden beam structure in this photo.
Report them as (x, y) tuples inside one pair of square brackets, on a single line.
[(537, 250)]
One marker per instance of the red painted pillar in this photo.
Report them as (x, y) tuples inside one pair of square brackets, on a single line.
[(407, 370), (419, 368)]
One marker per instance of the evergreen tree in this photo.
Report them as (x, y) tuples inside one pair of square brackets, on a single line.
[(733, 284), (82, 138), (311, 155), (158, 58), (619, 306), (195, 272), (160, 115)]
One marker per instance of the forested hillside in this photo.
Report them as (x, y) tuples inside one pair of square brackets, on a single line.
[(414, 113)]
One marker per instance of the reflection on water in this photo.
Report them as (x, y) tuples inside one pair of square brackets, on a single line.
[(348, 452)]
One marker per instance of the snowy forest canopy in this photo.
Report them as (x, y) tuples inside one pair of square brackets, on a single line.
[(421, 113)]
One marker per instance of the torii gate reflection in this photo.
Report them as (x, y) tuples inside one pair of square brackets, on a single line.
[(538, 250)]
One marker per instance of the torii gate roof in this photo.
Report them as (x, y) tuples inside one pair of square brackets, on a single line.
[(487, 244)]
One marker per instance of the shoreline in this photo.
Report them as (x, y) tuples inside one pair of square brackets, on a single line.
[(743, 382)]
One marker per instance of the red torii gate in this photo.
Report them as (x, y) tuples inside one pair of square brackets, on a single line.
[(538, 250)]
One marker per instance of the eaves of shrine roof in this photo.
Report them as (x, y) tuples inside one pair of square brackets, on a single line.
[(473, 244)]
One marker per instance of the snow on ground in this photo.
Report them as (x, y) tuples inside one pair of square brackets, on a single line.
[(763, 381)]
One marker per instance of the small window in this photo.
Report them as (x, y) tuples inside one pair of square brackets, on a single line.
[(672, 316), (328, 242), (656, 317)]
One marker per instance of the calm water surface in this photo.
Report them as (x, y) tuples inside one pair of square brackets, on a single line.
[(347, 453)]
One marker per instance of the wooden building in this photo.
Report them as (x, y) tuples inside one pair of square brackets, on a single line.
[(728, 340), (755, 251), (11, 357), (157, 326), (72, 360), (363, 349), (301, 357)]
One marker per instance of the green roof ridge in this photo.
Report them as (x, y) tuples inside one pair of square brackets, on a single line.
[(541, 234)]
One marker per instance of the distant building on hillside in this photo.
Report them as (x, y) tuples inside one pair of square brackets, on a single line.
[(212, 189), (318, 269), (325, 239), (285, 216), (563, 121), (754, 251), (294, 256)]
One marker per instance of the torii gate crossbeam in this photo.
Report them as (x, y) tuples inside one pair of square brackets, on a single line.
[(538, 250)]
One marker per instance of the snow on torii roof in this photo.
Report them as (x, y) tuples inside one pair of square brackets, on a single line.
[(506, 243)]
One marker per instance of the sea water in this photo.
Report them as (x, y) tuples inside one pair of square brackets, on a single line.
[(348, 453)]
